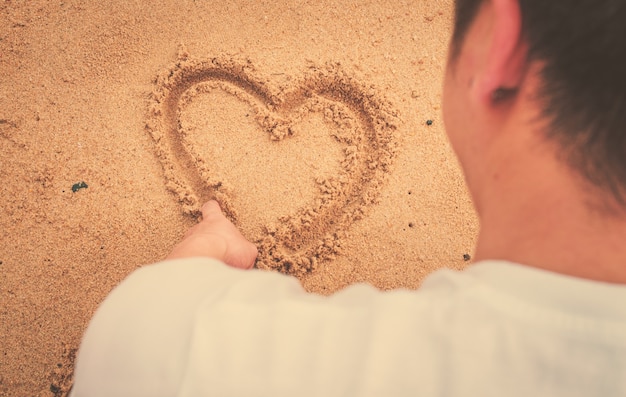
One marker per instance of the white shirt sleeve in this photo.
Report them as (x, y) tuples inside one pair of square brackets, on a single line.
[(196, 327)]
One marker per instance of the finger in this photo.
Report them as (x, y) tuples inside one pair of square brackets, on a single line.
[(210, 209)]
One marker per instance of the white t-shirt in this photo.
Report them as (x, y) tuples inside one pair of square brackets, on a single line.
[(195, 327)]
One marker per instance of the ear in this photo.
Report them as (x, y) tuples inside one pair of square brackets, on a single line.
[(506, 54)]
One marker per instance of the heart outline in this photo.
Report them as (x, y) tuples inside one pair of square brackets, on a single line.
[(297, 243)]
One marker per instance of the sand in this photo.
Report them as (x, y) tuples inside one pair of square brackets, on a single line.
[(306, 120)]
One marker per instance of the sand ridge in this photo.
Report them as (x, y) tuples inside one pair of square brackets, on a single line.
[(361, 120)]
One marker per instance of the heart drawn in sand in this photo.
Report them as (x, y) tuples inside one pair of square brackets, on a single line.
[(325, 107)]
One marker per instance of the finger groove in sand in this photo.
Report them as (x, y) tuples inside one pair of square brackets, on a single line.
[(363, 123)]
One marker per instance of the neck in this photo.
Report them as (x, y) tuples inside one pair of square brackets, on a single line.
[(529, 219)]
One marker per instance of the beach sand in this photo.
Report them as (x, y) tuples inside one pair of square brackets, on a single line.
[(306, 120)]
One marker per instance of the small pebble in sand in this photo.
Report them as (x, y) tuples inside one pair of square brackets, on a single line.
[(77, 186)]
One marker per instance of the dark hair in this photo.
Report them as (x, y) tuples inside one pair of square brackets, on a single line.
[(582, 45)]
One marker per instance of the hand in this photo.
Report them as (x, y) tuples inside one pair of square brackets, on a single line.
[(216, 237)]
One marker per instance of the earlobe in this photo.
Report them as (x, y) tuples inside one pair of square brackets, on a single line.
[(506, 55)]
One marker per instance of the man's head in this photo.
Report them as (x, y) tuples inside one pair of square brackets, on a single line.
[(561, 65)]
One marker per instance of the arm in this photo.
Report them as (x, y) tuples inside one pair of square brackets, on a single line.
[(137, 342)]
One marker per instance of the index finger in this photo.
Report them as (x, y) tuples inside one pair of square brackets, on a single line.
[(211, 208)]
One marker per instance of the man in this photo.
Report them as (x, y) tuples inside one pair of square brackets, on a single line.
[(535, 108)]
